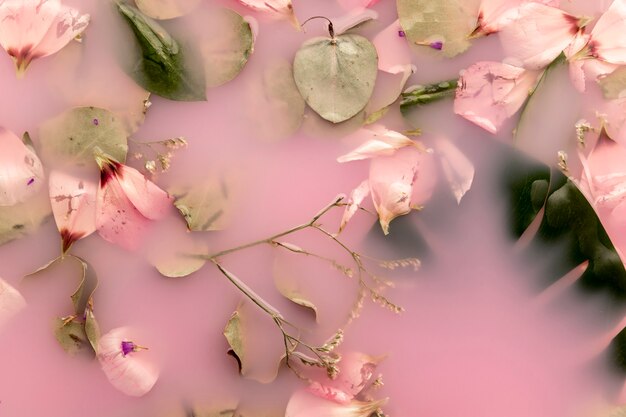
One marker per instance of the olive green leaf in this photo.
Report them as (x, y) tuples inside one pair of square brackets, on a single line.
[(614, 85), (166, 9), (87, 286), (450, 22), (24, 218), (336, 75), (163, 67), (73, 135), (205, 206), (70, 334), (92, 329)]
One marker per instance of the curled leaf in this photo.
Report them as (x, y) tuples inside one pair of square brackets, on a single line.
[(163, 67), (74, 135), (21, 172), (71, 335), (336, 76), (92, 329), (205, 206)]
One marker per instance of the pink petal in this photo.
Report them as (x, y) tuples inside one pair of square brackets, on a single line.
[(458, 170), (35, 28), (380, 142), (11, 302), (391, 180), (21, 172), (73, 200), (131, 373), (538, 34), (491, 92), (354, 18), (282, 9), (356, 370), (329, 393), (608, 37), (356, 199), (151, 201), (496, 14), (394, 54), (304, 404), (356, 4)]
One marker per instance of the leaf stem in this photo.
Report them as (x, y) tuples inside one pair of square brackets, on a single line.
[(425, 94)]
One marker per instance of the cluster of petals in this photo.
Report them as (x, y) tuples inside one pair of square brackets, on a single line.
[(37, 28), (341, 396), (401, 175), (120, 208), (21, 171)]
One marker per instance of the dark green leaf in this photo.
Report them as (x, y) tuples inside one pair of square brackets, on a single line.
[(164, 67)]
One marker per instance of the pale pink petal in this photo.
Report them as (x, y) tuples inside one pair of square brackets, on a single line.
[(391, 180), (73, 200), (458, 170), (538, 34), (11, 302), (379, 142), (356, 370), (356, 4), (329, 393), (576, 62), (613, 113), (354, 18), (493, 15), (282, 9), (394, 54), (21, 172), (117, 219), (127, 369), (67, 25), (491, 92), (151, 201), (608, 37), (304, 404), (356, 199)]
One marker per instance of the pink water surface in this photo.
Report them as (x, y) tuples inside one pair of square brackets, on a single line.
[(476, 338)]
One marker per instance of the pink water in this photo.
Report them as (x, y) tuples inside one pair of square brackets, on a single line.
[(476, 338)]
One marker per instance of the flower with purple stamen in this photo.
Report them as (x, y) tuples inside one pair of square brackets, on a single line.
[(128, 347), (96, 122), (401, 34), (438, 45), (30, 181)]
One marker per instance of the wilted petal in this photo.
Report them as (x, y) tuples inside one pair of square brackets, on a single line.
[(305, 404), (146, 196), (21, 172), (380, 142), (458, 170), (608, 37), (36, 28), (537, 34), (356, 199), (73, 200), (11, 302), (125, 364), (491, 92)]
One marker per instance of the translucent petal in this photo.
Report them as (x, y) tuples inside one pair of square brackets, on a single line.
[(151, 201), (356, 198), (608, 37), (11, 302), (379, 142), (21, 172)]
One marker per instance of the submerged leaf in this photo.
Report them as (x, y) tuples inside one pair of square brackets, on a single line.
[(86, 287), (24, 218), (205, 206), (71, 335), (233, 333), (336, 76), (614, 84), (163, 67), (21, 172), (92, 329), (289, 286), (166, 9), (74, 135), (449, 23)]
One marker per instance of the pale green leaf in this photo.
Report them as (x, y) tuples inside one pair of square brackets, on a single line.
[(86, 287), (614, 84), (92, 329), (25, 218), (166, 9), (73, 135), (226, 43), (449, 21), (336, 76), (206, 205), (71, 335)]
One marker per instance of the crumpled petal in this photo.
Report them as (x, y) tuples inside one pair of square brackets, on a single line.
[(381, 142), (356, 199), (608, 37), (129, 372), (36, 28), (21, 172), (457, 168), (282, 9), (537, 34), (491, 92), (73, 200), (305, 404), (11, 302)]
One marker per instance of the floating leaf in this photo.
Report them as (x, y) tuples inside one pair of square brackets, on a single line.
[(288, 285), (614, 84), (74, 135), (449, 22), (205, 206), (226, 42), (70, 334), (88, 284), (336, 75), (174, 258), (233, 333), (25, 218), (21, 172), (166, 9), (92, 329), (163, 68), (276, 108)]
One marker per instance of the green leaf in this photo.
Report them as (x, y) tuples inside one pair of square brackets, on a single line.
[(87, 286), (226, 44), (73, 135), (449, 21), (205, 206), (71, 335), (25, 218), (166, 9), (163, 67), (336, 76), (92, 329), (614, 85)]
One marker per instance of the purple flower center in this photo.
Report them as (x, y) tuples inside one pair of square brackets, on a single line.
[(401, 34), (30, 181), (128, 347), (438, 45), (96, 122)]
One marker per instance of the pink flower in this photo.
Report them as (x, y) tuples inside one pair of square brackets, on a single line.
[(491, 92), (73, 200), (282, 9), (608, 37), (124, 363), (356, 4), (36, 28), (21, 172), (126, 202), (493, 15)]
